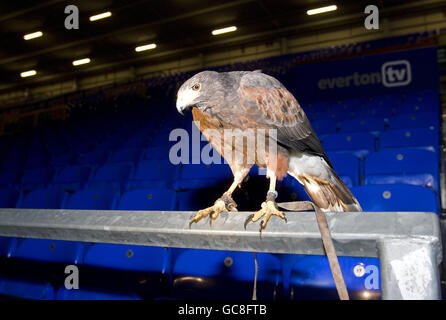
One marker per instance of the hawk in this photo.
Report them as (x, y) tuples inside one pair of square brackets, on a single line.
[(253, 100)]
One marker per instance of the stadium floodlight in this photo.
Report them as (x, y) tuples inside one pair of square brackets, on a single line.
[(33, 35), (101, 16), (28, 73), (81, 61), (145, 47), (224, 30), (322, 10)]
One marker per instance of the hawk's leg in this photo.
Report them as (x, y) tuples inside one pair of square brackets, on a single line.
[(223, 204), (269, 207)]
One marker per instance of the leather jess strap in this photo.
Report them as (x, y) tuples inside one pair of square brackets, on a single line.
[(326, 240)]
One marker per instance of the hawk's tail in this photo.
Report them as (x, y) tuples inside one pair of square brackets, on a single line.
[(332, 195)]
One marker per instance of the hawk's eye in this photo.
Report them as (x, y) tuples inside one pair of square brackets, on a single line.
[(196, 87)]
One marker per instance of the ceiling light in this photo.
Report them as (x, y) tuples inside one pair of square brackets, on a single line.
[(145, 47), (322, 10), (28, 73), (81, 61), (224, 30), (101, 16), (33, 35)]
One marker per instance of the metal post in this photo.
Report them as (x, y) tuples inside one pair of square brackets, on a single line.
[(409, 269)]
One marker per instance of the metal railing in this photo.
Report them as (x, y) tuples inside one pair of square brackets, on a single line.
[(407, 243)]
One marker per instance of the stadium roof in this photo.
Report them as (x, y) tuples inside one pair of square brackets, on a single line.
[(178, 28)]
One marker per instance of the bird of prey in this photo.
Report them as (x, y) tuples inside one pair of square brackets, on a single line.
[(253, 100)]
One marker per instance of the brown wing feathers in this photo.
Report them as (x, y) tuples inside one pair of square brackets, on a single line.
[(276, 107)]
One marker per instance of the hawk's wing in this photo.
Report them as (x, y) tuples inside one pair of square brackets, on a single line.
[(264, 100)]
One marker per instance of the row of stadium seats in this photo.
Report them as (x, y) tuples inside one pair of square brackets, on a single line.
[(378, 126), (386, 106), (359, 144), (127, 130), (425, 134), (152, 272), (164, 199), (412, 166), (325, 125)]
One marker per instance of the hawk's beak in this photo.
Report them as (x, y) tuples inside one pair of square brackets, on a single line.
[(185, 100), (181, 107)]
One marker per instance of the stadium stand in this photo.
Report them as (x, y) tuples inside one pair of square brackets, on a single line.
[(385, 147), (223, 273), (409, 166)]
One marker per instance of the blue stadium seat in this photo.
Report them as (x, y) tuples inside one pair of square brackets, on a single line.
[(420, 102), (53, 251), (318, 106), (157, 153), (8, 198), (348, 108), (373, 125), (96, 157), (127, 257), (311, 278), (209, 274), (323, 127), (72, 178), (138, 140), (111, 177), (198, 198), (82, 147), (359, 144), (36, 150), (143, 270), (347, 167), (42, 199), (371, 111), (15, 156), (110, 144), (36, 178), (62, 160), (196, 176), (147, 199), (59, 150), (416, 120), (153, 174), (94, 294), (417, 138), (290, 189), (8, 178), (160, 139), (91, 199), (125, 155), (323, 116), (411, 166), (7, 245), (36, 162), (13, 164), (396, 197), (26, 289)]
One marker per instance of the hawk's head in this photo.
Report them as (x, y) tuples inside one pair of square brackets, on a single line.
[(197, 90)]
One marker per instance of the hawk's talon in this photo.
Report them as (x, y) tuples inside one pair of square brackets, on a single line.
[(269, 208), (223, 204), (260, 228), (248, 219)]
